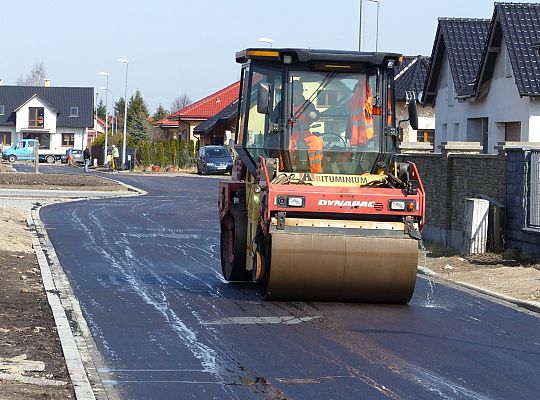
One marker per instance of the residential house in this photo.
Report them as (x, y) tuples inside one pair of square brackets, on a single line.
[(485, 78), (220, 128), (188, 118), (170, 128), (59, 117), (455, 58), (97, 129), (409, 84)]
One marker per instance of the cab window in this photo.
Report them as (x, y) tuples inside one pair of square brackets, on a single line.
[(257, 138)]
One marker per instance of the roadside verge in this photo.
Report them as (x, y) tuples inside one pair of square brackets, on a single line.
[(80, 352), (62, 301), (533, 306)]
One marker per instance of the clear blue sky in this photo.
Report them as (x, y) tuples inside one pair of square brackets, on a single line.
[(178, 47)]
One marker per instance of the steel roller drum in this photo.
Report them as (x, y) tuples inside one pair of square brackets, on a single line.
[(342, 268)]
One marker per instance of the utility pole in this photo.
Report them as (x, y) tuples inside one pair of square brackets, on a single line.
[(360, 26), (36, 156)]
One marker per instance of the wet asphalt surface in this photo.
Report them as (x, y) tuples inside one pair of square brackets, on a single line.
[(146, 271)]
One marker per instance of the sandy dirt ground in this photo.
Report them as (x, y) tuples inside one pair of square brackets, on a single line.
[(27, 329), (32, 364), (509, 274), (21, 180)]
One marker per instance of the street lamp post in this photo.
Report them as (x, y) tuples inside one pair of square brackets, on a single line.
[(106, 75), (361, 26), (112, 98), (124, 61), (377, 31), (95, 114)]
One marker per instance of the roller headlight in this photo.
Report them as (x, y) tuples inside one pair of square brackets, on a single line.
[(402, 205), (295, 201), (290, 201), (397, 205)]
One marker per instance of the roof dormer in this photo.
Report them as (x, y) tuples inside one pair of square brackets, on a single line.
[(36, 114)]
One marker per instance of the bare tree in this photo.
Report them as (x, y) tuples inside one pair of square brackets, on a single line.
[(36, 77), (180, 102)]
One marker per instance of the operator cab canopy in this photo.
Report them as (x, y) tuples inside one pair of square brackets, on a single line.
[(321, 59), (317, 110)]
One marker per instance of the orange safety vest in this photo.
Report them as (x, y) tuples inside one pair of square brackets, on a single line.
[(314, 143), (361, 115)]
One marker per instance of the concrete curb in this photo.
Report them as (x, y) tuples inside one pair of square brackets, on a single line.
[(173, 175), (129, 187), (74, 363), (62, 194), (527, 305)]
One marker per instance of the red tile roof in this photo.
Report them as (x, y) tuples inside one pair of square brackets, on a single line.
[(167, 122), (210, 105), (100, 121)]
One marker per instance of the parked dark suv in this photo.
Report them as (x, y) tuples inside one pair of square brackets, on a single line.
[(214, 160)]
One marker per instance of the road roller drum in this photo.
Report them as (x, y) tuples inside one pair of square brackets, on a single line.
[(341, 268)]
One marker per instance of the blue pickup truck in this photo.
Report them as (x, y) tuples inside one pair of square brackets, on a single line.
[(24, 150), (21, 150)]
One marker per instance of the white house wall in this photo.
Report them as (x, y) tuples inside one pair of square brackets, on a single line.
[(80, 138), (444, 113), (49, 116), (534, 121), (502, 104)]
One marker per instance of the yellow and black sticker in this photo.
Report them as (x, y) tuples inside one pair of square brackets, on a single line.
[(334, 179)]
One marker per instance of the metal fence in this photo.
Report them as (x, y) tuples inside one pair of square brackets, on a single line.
[(534, 190)]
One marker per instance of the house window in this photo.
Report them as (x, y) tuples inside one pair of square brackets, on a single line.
[(68, 139), (512, 131), (2, 109), (456, 131), (44, 139), (425, 135), (5, 138), (73, 111), (36, 117), (507, 65), (444, 136), (477, 131), (326, 98), (450, 91)]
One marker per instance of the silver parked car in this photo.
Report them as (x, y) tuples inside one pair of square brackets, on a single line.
[(78, 157)]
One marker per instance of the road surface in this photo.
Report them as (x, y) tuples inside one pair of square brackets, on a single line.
[(146, 271)]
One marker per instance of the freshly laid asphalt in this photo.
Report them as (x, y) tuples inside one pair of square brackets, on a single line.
[(146, 272)]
